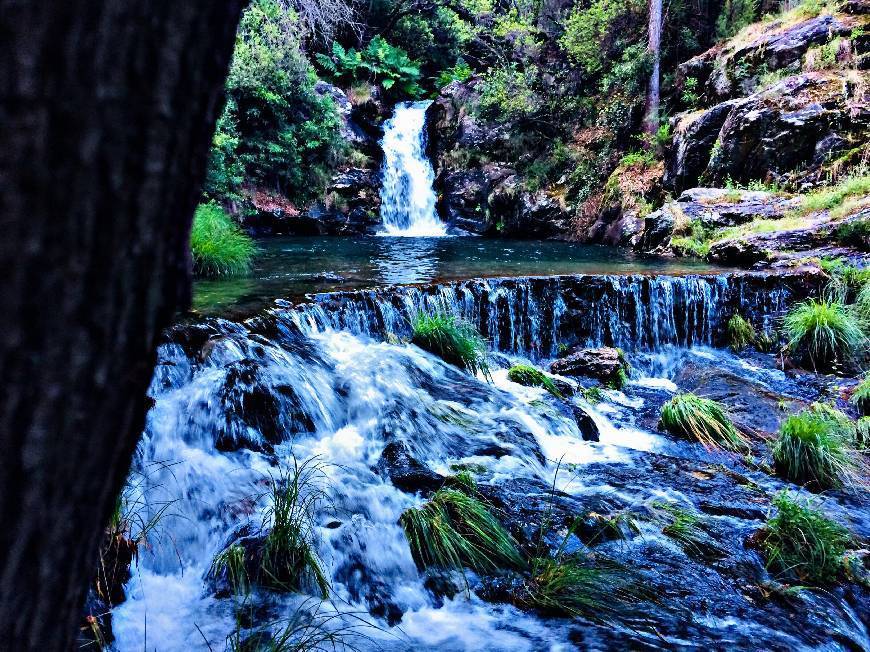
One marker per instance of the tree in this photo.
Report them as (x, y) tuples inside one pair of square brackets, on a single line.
[(107, 110), (653, 94)]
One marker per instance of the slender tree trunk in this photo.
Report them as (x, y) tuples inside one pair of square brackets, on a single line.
[(653, 94), (107, 108)]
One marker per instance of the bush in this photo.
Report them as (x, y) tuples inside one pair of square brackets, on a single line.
[(454, 530), (802, 542), (529, 376), (735, 15), (510, 92), (861, 396), (380, 61), (740, 333), (219, 247), (813, 448), (693, 417), (824, 332), (453, 339)]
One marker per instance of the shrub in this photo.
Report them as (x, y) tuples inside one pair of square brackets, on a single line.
[(219, 247), (801, 541), (735, 15), (454, 530), (740, 333), (509, 92), (387, 64), (824, 332), (813, 448), (529, 376), (861, 396), (453, 339), (704, 420), (459, 72)]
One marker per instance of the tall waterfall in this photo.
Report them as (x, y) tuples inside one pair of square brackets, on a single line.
[(407, 197)]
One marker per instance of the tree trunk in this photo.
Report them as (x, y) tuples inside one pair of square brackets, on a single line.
[(653, 94), (107, 109)]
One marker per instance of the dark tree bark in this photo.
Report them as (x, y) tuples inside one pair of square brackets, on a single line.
[(107, 108)]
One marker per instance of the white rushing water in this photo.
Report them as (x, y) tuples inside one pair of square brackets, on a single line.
[(407, 196)]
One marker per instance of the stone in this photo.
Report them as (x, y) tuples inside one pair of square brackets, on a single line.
[(405, 472), (603, 363)]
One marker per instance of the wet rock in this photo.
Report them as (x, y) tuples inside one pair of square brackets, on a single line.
[(257, 414), (586, 424), (351, 206), (603, 363), (695, 134), (405, 472)]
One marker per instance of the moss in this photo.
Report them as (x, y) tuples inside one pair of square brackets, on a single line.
[(529, 376), (800, 541)]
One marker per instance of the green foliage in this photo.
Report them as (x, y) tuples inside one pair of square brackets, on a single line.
[(454, 530), (802, 542), (529, 376), (834, 197), (824, 332), (861, 396), (847, 281), (690, 92), (231, 561), (380, 62), (855, 234), (686, 528), (509, 91), (275, 130), (593, 395), (460, 72), (704, 420), (735, 15), (585, 30), (219, 247), (814, 448), (740, 333), (862, 434), (453, 339), (290, 561)]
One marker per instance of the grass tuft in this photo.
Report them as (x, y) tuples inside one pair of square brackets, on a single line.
[(704, 420), (290, 561), (862, 434), (825, 332), (861, 397), (454, 530), (530, 376), (219, 247), (453, 339), (801, 541), (814, 448), (740, 333), (685, 527)]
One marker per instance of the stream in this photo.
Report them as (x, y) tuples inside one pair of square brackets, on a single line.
[(246, 387)]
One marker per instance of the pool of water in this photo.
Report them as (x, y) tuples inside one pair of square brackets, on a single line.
[(290, 267)]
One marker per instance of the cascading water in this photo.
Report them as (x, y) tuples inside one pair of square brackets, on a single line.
[(236, 403), (407, 196)]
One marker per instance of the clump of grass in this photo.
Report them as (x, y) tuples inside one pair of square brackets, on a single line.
[(593, 395), (861, 397), (453, 339), (824, 332), (862, 434), (530, 376), (573, 586), (801, 541), (685, 527), (846, 279), (454, 530), (702, 419), (814, 448), (740, 333), (231, 560), (833, 197), (855, 234), (219, 247), (290, 561)]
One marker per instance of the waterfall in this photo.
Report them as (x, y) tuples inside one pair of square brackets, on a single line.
[(407, 197)]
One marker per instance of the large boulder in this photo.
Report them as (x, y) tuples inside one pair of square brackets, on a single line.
[(605, 364), (786, 132)]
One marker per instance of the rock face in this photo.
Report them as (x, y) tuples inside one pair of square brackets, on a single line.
[(786, 132), (479, 189)]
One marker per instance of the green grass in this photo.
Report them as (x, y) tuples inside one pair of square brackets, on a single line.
[(824, 332), (801, 541), (219, 247), (861, 397), (530, 376), (701, 419), (813, 448), (862, 434), (833, 197), (846, 279), (573, 586), (454, 530), (685, 528), (855, 234), (691, 246), (231, 561), (290, 561), (453, 339), (593, 395), (740, 333)]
